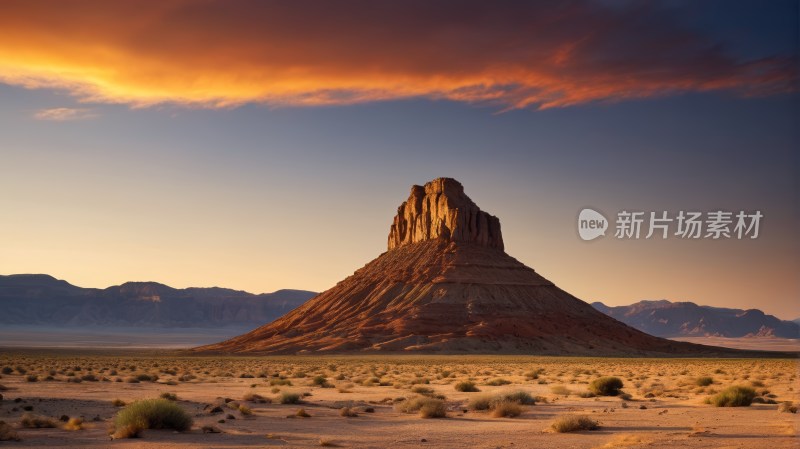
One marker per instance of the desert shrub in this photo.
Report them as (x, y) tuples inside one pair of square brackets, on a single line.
[(274, 382), (118, 403), (734, 396), (324, 442), (321, 381), (421, 380), (520, 397), (303, 414), (288, 398), (154, 414), (7, 370), (21, 370), (498, 382), (371, 382), (75, 424), (246, 376), (481, 402), (466, 386), (252, 397), (233, 405), (433, 408), (419, 389), (244, 410), (586, 394), (787, 407), (606, 386), (64, 418), (560, 389), (574, 423), (32, 421), (144, 377), (7, 433), (131, 380), (168, 396), (506, 409), (27, 408), (210, 429), (757, 383), (31, 378), (348, 412), (339, 377), (704, 381)]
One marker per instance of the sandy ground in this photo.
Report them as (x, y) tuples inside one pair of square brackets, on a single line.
[(667, 422)]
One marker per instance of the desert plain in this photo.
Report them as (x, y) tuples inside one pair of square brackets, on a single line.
[(394, 401)]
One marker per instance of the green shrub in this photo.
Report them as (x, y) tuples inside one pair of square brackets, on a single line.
[(244, 410), (606, 386), (704, 381), (425, 391), (154, 414), (734, 396), (498, 382), (466, 386), (303, 414), (574, 423), (321, 381), (274, 382)]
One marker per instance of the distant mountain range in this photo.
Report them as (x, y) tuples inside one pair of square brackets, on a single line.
[(39, 299), (671, 319)]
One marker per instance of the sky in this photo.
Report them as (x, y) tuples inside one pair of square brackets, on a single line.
[(267, 145)]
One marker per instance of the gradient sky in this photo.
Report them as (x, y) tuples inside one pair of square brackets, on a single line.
[(267, 145)]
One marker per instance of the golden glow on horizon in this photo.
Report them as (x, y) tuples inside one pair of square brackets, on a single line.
[(211, 55)]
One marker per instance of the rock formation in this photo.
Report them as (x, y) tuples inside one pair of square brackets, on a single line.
[(442, 210), (446, 285)]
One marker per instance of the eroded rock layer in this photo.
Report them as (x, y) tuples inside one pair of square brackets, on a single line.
[(447, 286)]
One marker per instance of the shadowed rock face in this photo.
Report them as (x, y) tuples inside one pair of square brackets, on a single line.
[(447, 286)]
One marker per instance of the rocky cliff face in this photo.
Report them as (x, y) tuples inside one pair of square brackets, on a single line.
[(441, 210), (447, 286)]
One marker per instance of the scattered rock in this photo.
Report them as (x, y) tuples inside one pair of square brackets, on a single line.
[(230, 417)]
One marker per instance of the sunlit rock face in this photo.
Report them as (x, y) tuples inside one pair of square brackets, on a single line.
[(441, 209)]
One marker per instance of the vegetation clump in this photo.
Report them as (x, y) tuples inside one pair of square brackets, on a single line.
[(704, 381), (153, 414), (606, 386), (288, 398), (574, 423), (734, 396), (466, 387), (32, 421)]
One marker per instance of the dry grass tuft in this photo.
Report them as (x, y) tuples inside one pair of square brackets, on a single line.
[(75, 424), (506, 409), (30, 420), (244, 410), (466, 387), (348, 412), (626, 440), (324, 442), (7, 433), (574, 423), (786, 407), (169, 396), (127, 431), (118, 403), (303, 414)]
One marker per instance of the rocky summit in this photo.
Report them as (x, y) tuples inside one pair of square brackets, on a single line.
[(446, 285)]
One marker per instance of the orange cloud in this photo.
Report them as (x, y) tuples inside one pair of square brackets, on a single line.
[(63, 114), (317, 52)]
